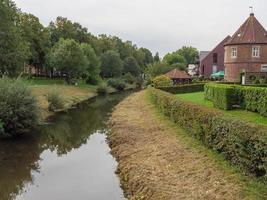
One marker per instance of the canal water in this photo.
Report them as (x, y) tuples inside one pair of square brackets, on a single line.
[(67, 159)]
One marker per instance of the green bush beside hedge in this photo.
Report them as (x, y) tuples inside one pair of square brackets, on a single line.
[(241, 142), (180, 89)]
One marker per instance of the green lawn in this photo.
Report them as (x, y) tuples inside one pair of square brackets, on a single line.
[(198, 98)]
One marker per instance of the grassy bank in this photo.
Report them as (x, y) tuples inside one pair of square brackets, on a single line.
[(158, 160), (198, 98)]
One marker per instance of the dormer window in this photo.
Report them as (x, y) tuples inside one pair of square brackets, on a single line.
[(255, 51), (234, 52)]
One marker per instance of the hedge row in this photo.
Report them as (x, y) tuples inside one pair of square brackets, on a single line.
[(247, 97), (179, 89), (243, 143), (223, 96)]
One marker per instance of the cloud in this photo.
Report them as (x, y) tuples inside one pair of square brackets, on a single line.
[(160, 25)]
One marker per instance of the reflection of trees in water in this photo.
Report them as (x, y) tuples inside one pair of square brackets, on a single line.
[(68, 131)]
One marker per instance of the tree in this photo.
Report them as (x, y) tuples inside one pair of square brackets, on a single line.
[(14, 51), (157, 69), (173, 58), (68, 57), (190, 54), (156, 57), (36, 36), (93, 67), (162, 81), (131, 66), (111, 64)]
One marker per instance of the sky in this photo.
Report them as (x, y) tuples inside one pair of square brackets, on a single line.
[(160, 25)]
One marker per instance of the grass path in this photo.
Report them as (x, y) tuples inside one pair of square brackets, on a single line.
[(158, 161)]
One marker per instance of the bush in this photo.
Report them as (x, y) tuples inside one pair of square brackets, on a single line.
[(128, 78), (241, 142), (223, 96), (180, 89), (162, 81), (247, 97), (55, 101), (18, 108), (116, 83), (102, 88)]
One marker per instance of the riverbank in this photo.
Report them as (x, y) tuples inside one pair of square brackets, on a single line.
[(159, 161)]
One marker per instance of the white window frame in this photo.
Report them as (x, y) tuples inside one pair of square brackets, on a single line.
[(255, 51), (234, 52), (264, 68)]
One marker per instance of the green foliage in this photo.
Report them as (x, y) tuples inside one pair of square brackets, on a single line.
[(190, 54), (93, 67), (102, 88), (68, 57), (34, 33), (162, 81), (14, 51), (116, 83), (128, 78), (247, 97), (131, 66), (18, 107), (222, 95), (180, 89), (157, 69), (174, 58), (156, 57), (55, 100), (241, 142), (2, 131), (111, 64)]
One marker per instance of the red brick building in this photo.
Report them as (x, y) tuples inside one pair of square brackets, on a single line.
[(213, 61), (246, 51)]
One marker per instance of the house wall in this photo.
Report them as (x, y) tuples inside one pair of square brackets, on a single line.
[(244, 61), (206, 65)]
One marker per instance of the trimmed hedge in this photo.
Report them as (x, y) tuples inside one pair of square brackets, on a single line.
[(179, 89), (241, 142), (247, 97), (223, 96)]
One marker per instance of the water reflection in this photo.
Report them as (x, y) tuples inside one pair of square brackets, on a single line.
[(63, 146)]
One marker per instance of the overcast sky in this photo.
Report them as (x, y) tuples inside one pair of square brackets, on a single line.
[(160, 25)]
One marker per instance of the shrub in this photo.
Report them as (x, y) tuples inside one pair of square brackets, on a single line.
[(55, 101), (18, 108), (241, 142), (223, 96), (2, 131), (250, 98), (179, 89), (128, 78), (139, 82), (116, 83), (102, 88), (162, 81)]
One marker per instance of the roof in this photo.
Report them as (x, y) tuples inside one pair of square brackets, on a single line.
[(203, 54), (251, 32), (177, 74)]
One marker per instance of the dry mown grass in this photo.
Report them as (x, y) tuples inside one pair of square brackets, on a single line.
[(70, 94), (154, 164)]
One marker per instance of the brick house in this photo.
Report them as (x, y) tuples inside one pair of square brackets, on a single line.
[(213, 61), (246, 52)]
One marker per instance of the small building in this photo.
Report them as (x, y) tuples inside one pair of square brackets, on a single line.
[(211, 62), (246, 53), (179, 77)]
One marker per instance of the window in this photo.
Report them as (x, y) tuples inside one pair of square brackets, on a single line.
[(255, 52), (234, 52), (264, 68), (215, 58)]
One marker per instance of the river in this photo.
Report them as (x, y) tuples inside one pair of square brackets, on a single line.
[(66, 159)]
